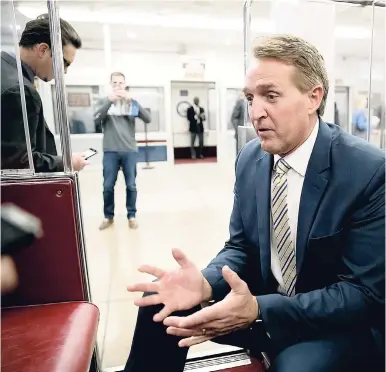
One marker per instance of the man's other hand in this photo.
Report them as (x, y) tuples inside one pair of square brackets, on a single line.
[(79, 161), (238, 310), (179, 289), (123, 94), (9, 278), (113, 97)]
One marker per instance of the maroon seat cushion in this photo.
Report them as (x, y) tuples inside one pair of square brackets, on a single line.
[(48, 338)]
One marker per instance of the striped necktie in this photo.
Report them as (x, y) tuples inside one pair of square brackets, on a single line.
[(281, 227)]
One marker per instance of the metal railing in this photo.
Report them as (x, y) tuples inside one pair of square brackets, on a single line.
[(61, 100)]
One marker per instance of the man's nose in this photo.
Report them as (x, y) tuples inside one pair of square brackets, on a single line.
[(257, 110)]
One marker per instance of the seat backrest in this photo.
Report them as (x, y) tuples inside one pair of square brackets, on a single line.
[(53, 268)]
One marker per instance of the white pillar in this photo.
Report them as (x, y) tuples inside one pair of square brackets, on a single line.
[(107, 49), (314, 22)]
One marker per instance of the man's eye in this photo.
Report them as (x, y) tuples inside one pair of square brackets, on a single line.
[(271, 97)]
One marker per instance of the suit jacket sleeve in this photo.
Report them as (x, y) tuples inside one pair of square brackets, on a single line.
[(234, 254), (202, 111), (143, 114), (358, 299), (14, 148), (190, 115), (103, 107)]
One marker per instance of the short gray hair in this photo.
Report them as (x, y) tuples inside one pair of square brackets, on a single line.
[(307, 60)]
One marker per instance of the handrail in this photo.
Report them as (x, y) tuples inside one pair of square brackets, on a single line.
[(247, 45), (61, 99)]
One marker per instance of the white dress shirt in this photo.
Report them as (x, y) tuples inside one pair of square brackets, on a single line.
[(298, 161)]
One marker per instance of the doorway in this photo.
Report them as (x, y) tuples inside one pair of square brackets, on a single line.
[(182, 96)]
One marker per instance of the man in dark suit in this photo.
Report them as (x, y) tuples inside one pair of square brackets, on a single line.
[(237, 117), (196, 117), (302, 276), (36, 60)]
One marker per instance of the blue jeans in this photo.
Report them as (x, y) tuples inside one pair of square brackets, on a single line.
[(112, 162)]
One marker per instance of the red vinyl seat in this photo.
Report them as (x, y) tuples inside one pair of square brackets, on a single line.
[(257, 365), (48, 338)]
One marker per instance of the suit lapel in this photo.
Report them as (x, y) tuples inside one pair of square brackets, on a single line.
[(263, 197), (315, 182)]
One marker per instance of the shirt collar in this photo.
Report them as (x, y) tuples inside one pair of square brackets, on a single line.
[(298, 160), (27, 68)]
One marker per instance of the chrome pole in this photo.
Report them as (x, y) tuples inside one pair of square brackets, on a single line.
[(371, 71), (247, 32), (61, 99), (247, 44), (383, 111), (22, 91)]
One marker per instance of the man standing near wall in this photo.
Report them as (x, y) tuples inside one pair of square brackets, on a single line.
[(196, 117), (116, 113)]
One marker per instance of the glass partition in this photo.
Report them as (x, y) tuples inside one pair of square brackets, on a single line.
[(82, 103), (232, 96), (212, 109), (189, 205), (17, 82), (152, 99), (377, 97), (342, 115)]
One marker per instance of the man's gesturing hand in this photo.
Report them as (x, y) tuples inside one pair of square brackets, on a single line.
[(179, 289), (237, 311)]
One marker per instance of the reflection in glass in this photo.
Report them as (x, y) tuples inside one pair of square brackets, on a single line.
[(235, 108), (151, 99), (81, 106), (212, 109), (377, 96), (342, 100), (16, 81)]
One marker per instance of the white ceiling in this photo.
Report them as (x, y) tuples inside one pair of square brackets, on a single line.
[(133, 34)]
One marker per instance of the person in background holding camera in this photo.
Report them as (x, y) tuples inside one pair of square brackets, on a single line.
[(36, 60), (116, 114)]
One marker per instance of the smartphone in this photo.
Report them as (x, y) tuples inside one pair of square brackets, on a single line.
[(90, 152)]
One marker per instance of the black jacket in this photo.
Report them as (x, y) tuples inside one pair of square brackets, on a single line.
[(194, 125), (13, 142), (238, 112)]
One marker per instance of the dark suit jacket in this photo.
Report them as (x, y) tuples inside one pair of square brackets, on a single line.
[(13, 141), (194, 126), (340, 252), (238, 112)]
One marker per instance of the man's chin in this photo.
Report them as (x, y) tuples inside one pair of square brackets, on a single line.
[(269, 146)]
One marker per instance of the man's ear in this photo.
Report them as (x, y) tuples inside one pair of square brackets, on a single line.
[(42, 49), (315, 97)]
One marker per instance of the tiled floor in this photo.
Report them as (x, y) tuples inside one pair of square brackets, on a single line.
[(184, 206)]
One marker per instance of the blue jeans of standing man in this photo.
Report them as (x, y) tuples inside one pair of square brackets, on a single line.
[(112, 162)]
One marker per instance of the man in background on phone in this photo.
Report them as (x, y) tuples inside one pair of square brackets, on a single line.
[(36, 60), (116, 114)]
